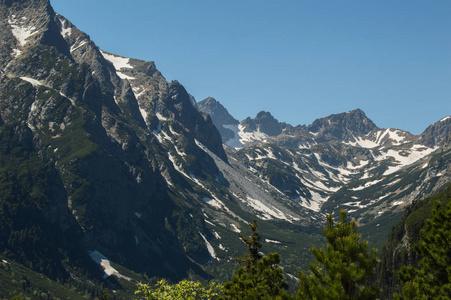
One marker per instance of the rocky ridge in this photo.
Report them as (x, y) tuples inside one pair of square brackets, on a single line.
[(334, 161), (143, 178), (117, 162)]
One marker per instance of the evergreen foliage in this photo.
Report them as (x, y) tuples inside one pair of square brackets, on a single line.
[(433, 277), (260, 277), (343, 268), (188, 290), (399, 250)]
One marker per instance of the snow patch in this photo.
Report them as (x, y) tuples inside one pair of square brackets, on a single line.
[(213, 202), (34, 82), (315, 201), (210, 248), (405, 157), (77, 46), (16, 52), (250, 136), (20, 32), (268, 212), (364, 143), (143, 113), (161, 117), (105, 263), (235, 142), (272, 241), (118, 62), (216, 235), (234, 228), (65, 29), (367, 184), (395, 135)]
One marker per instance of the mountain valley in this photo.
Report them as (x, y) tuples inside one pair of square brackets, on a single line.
[(110, 172)]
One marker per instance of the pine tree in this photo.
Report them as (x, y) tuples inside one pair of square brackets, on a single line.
[(343, 268), (185, 289), (260, 277), (433, 278)]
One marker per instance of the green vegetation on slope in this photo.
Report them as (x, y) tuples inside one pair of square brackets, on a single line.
[(399, 250)]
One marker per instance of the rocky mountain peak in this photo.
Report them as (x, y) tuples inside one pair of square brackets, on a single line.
[(114, 125), (210, 101), (218, 113), (103, 146), (342, 126), (224, 122), (437, 133), (264, 122)]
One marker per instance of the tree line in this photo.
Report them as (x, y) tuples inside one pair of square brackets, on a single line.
[(344, 269)]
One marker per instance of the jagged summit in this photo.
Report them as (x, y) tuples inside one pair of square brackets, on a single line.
[(264, 123), (341, 127), (219, 114), (123, 150), (102, 157), (437, 133), (224, 122)]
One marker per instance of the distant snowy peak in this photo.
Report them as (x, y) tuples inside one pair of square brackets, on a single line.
[(348, 127), (341, 127), (351, 128), (217, 112), (264, 123), (222, 119)]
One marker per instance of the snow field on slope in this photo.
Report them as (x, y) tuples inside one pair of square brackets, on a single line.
[(367, 184), (381, 135), (210, 248), (77, 46), (21, 32), (100, 259), (268, 213), (34, 82), (315, 202), (416, 153), (118, 62), (250, 136), (65, 30), (235, 142)]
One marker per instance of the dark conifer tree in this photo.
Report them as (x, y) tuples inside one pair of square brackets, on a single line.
[(433, 278), (260, 277), (343, 268)]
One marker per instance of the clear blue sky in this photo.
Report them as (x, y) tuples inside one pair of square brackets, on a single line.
[(300, 60)]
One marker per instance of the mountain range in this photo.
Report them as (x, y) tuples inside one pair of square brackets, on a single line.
[(106, 165)]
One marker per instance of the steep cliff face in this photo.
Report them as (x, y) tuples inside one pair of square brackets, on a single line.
[(100, 153), (99, 125)]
